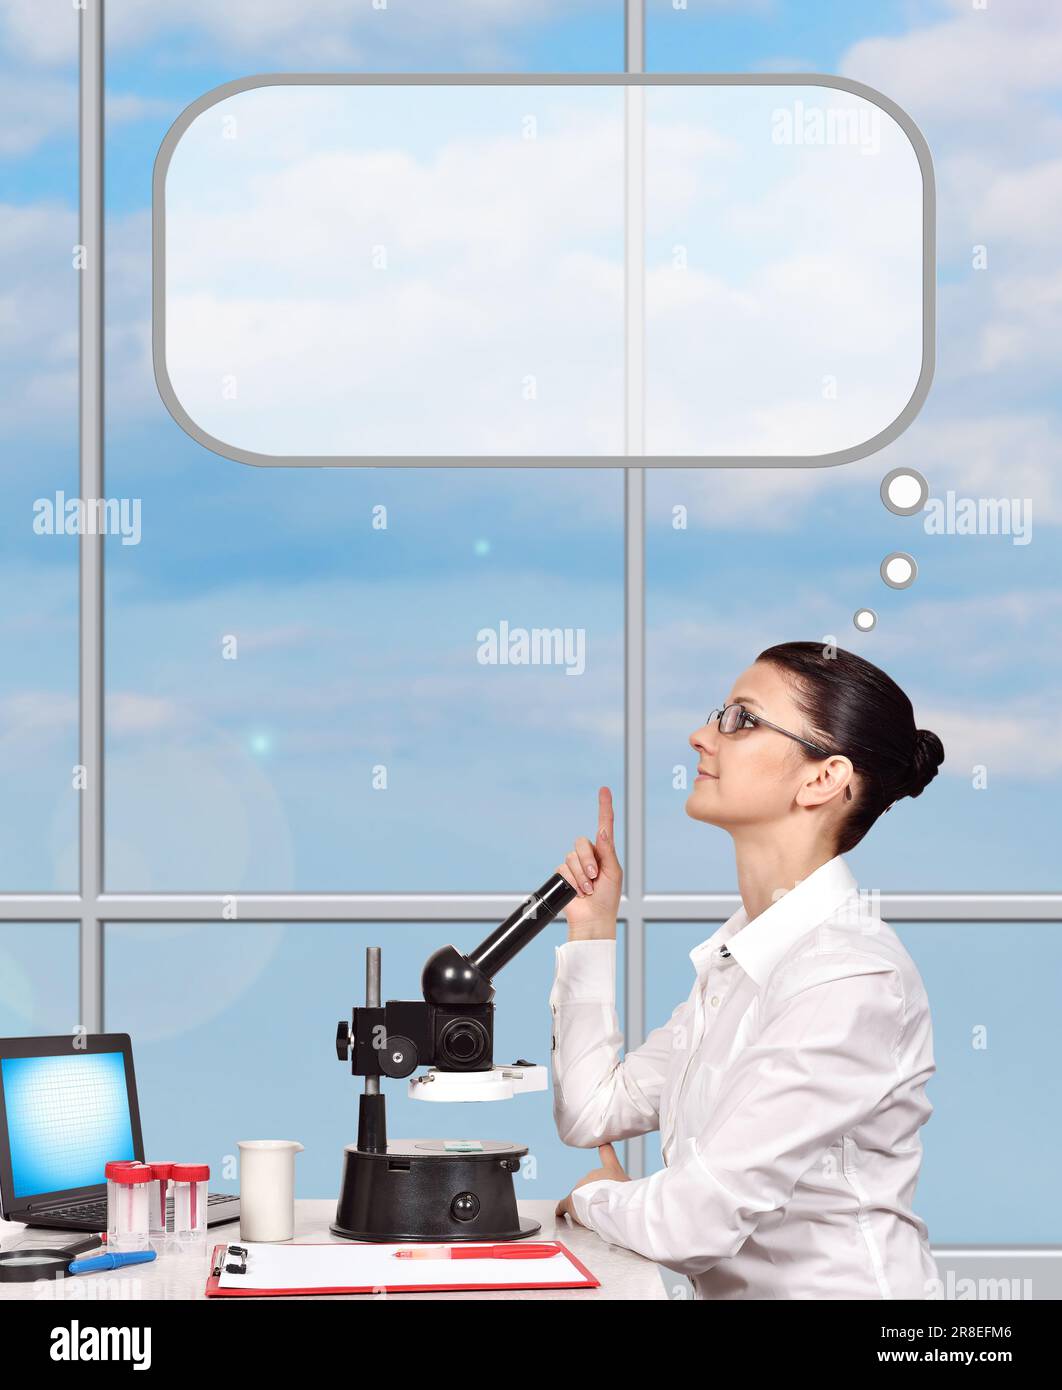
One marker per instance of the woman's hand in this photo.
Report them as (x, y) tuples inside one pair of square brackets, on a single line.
[(595, 873), (612, 1169)]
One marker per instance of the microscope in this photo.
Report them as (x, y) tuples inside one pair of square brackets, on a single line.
[(435, 1189)]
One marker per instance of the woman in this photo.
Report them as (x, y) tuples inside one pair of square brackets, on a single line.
[(789, 1088)]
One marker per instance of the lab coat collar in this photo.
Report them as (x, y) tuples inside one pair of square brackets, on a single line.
[(757, 946)]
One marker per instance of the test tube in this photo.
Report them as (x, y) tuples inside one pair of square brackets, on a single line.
[(127, 1210), (109, 1170), (189, 1182), (159, 1229)]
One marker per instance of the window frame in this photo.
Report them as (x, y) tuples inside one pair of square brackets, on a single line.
[(91, 907)]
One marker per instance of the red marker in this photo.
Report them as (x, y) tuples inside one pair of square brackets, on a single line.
[(479, 1252)]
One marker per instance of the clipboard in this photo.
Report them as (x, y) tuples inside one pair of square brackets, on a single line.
[(272, 1271)]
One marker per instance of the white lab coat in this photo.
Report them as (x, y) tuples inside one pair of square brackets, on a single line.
[(789, 1090)]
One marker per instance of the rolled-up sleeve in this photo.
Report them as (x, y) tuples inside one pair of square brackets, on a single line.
[(823, 1059), (597, 1097)]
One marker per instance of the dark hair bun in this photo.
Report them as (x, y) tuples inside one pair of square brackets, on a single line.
[(928, 756)]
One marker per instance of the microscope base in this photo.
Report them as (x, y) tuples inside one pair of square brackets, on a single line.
[(421, 1191)]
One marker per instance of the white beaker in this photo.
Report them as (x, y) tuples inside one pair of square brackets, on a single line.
[(267, 1188)]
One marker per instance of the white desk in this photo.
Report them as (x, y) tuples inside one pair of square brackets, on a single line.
[(622, 1273)]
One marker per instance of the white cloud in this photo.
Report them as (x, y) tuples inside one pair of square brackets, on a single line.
[(128, 106), (983, 83), (39, 33), (34, 109), (1021, 740), (36, 717), (1025, 323), (990, 454), (275, 638), (795, 329), (1005, 325), (1016, 302), (980, 60), (38, 108), (322, 34), (319, 33), (129, 712), (426, 680), (38, 315), (983, 86), (273, 286), (1024, 205), (979, 642)]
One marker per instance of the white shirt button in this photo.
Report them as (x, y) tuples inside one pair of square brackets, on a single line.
[(715, 1000)]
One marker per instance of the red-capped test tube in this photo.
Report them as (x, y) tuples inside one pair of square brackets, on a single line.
[(109, 1169), (127, 1206), (189, 1183), (159, 1229)]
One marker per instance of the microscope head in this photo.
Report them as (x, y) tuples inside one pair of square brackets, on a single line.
[(451, 1030), (452, 980)]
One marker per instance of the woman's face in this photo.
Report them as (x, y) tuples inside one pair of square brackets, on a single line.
[(753, 776)]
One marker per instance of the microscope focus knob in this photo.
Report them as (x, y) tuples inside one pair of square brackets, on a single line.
[(465, 1206), (343, 1040), (398, 1056)]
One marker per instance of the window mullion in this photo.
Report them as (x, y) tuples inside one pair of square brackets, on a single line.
[(90, 415)]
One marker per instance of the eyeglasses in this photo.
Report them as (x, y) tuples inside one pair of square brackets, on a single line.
[(735, 717)]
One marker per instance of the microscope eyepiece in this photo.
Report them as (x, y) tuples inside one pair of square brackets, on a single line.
[(533, 914)]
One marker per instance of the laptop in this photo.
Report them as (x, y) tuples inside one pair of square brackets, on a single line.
[(65, 1111)]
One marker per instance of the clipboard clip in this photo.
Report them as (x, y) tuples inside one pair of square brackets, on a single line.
[(220, 1255)]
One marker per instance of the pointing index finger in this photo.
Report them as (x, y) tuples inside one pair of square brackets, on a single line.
[(605, 816)]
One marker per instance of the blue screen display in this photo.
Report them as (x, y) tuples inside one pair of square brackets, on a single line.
[(66, 1117)]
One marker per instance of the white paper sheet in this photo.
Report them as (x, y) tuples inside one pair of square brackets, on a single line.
[(369, 1267)]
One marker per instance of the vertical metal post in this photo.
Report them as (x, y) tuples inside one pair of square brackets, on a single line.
[(373, 984), (90, 426), (634, 529)]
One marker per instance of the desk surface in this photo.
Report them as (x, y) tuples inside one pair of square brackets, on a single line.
[(622, 1273)]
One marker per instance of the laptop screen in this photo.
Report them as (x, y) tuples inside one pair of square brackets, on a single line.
[(66, 1117)]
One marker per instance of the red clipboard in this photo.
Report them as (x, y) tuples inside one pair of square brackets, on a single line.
[(579, 1278)]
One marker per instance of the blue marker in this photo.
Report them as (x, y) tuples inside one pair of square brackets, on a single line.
[(116, 1261)]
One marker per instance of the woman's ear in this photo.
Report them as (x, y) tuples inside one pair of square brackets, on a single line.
[(826, 780)]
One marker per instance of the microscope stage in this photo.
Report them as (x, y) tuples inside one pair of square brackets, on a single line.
[(499, 1083)]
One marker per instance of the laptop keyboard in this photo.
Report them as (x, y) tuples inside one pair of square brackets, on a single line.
[(96, 1209), (82, 1211)]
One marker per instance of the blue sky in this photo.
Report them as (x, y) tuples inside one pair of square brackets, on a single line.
[(357, 646)]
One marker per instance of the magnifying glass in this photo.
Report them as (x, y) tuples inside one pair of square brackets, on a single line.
[(24, 1265)]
